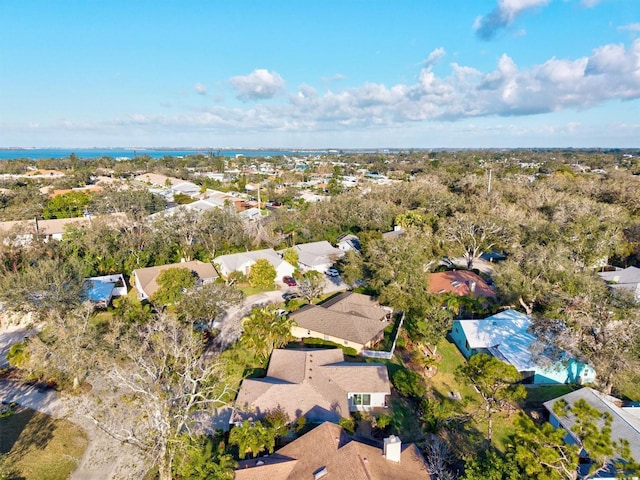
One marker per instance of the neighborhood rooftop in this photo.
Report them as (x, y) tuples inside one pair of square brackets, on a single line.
[(314, 383), (328, 452), (625, 420), (350, 316)]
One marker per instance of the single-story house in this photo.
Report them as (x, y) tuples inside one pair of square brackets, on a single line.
[(311, 197), (203, 205), (253, 213), (348, 241), (397, 232), (186, 188), (243, 261), (101, 290), (623, 279), (625, 422), (329, 452), (158, 179), (459, 282), (319, 256), (223, 199), (145, 279), (315, 383), (506, 336), (350, 319), (53, 229)]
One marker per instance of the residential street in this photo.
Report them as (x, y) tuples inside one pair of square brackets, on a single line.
[(230, 323)]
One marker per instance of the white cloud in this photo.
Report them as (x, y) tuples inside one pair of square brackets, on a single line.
[(503, 16), (434, 57), (200, 89), (464, 94), (590, 3), (632, 27), (333, 78), (259, 84)]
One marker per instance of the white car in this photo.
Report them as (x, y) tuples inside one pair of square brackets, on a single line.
[(332, 272)]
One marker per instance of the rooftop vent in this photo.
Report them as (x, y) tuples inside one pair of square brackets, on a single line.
[(320, 473)]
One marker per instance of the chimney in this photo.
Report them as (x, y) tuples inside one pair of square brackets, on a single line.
[(472, 286), (392, 448)]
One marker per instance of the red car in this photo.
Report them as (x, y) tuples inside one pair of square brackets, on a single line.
[(289, 281)]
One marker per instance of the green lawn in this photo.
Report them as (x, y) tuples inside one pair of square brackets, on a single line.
[(404, 420), (537, 395), (628, 387), (248, 290), (445, 383), (40, 447)]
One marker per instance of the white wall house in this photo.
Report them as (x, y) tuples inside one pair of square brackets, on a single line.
[(319, 256), (315, 383), (243, 261)]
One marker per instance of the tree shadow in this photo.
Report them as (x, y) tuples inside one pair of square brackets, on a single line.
[(24, 430)]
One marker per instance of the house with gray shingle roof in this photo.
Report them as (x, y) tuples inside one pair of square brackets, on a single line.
[(623, 279), (319, 256), (350, 319), (625, 421), (315, 383), (328, 452), (243, 261)]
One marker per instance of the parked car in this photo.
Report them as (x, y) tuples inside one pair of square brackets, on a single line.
[(290, 296), (332, 272), (289, 281)]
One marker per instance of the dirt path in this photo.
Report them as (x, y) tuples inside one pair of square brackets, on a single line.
[(105, 458)]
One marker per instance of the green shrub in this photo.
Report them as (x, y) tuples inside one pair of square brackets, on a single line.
[(318, 342), (409, 383), (348, 423)]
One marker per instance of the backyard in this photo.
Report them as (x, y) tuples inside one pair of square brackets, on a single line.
[(36, 446)]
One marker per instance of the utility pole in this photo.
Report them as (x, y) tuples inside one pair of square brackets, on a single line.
[(489, 184), (260, 208)]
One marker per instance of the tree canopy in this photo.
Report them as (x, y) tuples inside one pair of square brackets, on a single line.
[(173, 282)]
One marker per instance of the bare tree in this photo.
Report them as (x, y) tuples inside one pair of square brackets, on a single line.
[(439, 456), (311, 285), (157, 389), (471, 235), (600, 327)]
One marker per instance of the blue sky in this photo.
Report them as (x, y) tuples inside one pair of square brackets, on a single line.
[(320, 74)]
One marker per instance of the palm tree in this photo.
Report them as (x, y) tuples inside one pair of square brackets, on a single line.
[(265, 330)]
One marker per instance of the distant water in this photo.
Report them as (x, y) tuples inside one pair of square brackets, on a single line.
[(86, 153)]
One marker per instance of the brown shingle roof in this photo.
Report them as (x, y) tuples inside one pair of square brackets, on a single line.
[(351, 316), (357, 304), (147, 277), (313, 383), (353, 328), (344, 458)]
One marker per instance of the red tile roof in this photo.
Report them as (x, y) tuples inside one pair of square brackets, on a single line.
[(460, 282)]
